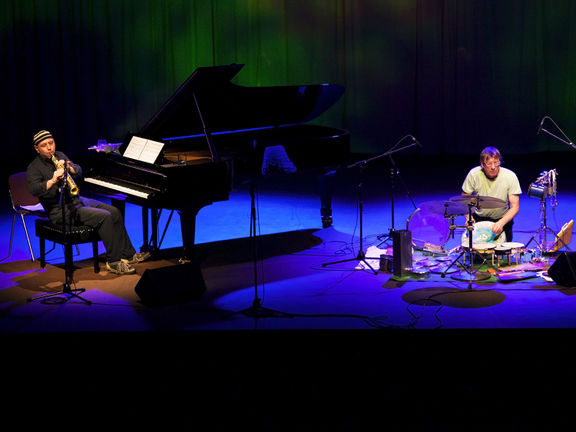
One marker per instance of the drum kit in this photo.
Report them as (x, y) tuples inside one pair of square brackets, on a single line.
[(432, 224)]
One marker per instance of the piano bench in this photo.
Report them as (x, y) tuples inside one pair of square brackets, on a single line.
[(74, 235)]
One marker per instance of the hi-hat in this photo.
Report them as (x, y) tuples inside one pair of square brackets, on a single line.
[(478, 201)]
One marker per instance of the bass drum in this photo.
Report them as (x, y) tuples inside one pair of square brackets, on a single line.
[(430, 231)]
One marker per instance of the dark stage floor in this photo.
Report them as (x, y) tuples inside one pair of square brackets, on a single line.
[(373, 334), (292, 276)]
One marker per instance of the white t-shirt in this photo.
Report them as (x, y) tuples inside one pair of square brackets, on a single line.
[(504, 185)]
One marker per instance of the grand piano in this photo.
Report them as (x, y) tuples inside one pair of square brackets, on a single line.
[(215, 134)]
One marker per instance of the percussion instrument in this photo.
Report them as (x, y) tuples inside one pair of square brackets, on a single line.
[(444, 208), (479, 201), (506, 250), (430, 231), (483, 247), (544, 186), (537, 191), (483, 234)]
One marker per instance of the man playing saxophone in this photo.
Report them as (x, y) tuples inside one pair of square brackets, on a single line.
[(44, 177)]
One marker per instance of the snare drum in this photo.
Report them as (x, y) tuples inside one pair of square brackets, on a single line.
[(430, 231)]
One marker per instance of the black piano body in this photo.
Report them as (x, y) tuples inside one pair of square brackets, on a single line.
[(214, 133)]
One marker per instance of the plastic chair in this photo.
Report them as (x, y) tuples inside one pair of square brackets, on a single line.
[(24, 204)]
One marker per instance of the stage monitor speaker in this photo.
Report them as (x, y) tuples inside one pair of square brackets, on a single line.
[(176, 284), (563, 270), (402, 252)]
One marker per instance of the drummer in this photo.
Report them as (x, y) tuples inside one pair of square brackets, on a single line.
[(490, 179)]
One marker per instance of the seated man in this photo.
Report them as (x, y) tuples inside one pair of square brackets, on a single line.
[(44, 177), (490, 179)]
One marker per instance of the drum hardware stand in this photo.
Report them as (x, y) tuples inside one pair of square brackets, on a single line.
[(468, 274), (66, 288), (362, 164), (543, 228)]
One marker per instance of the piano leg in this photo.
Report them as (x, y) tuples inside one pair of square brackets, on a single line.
[(120, 204), (154, 217), (155, 213), (188, 226), (145, 244)]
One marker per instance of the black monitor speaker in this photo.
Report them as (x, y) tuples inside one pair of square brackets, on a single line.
[(402, 252), (175, 284), (563, 270)]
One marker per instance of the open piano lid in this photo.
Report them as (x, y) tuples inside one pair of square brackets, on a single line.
[(207, 102)]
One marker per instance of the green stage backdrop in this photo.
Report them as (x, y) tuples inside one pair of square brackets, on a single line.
[(457, 74)]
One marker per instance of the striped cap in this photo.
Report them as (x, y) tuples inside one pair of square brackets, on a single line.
[(41, 136)]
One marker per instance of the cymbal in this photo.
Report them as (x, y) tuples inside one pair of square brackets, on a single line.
[(444, 208), (479, 201)]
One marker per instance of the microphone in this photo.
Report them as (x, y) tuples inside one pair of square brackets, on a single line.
[(416, 141)]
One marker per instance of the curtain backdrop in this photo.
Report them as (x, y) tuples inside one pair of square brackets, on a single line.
[(457, 74)]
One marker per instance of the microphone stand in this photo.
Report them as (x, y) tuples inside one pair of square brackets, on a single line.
[(68, 271), (362, 164), (544, 227), (256, 310), (394, 173)]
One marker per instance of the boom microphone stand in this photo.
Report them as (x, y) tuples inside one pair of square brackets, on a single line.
[(565, 140), (362, 164), (66, 288), (394, 173), (544, 227)]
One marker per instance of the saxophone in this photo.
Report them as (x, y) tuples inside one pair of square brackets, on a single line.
[(69, 180)]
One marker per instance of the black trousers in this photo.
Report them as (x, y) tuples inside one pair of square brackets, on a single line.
[(507, 228), (106, 219)]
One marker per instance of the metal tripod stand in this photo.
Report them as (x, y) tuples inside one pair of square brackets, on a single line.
[(361, 256), (67, 289), (543, 229), (362, 164)]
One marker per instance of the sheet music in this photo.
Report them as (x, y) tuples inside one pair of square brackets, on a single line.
[(143, 149)]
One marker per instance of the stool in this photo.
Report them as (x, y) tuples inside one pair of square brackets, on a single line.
[(74, 235)]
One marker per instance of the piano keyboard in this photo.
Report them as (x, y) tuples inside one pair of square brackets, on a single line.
[(117, 187)]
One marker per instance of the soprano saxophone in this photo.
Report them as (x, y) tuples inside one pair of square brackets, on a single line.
[(72, 187)]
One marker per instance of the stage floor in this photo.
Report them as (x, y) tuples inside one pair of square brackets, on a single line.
[(295, 271)]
